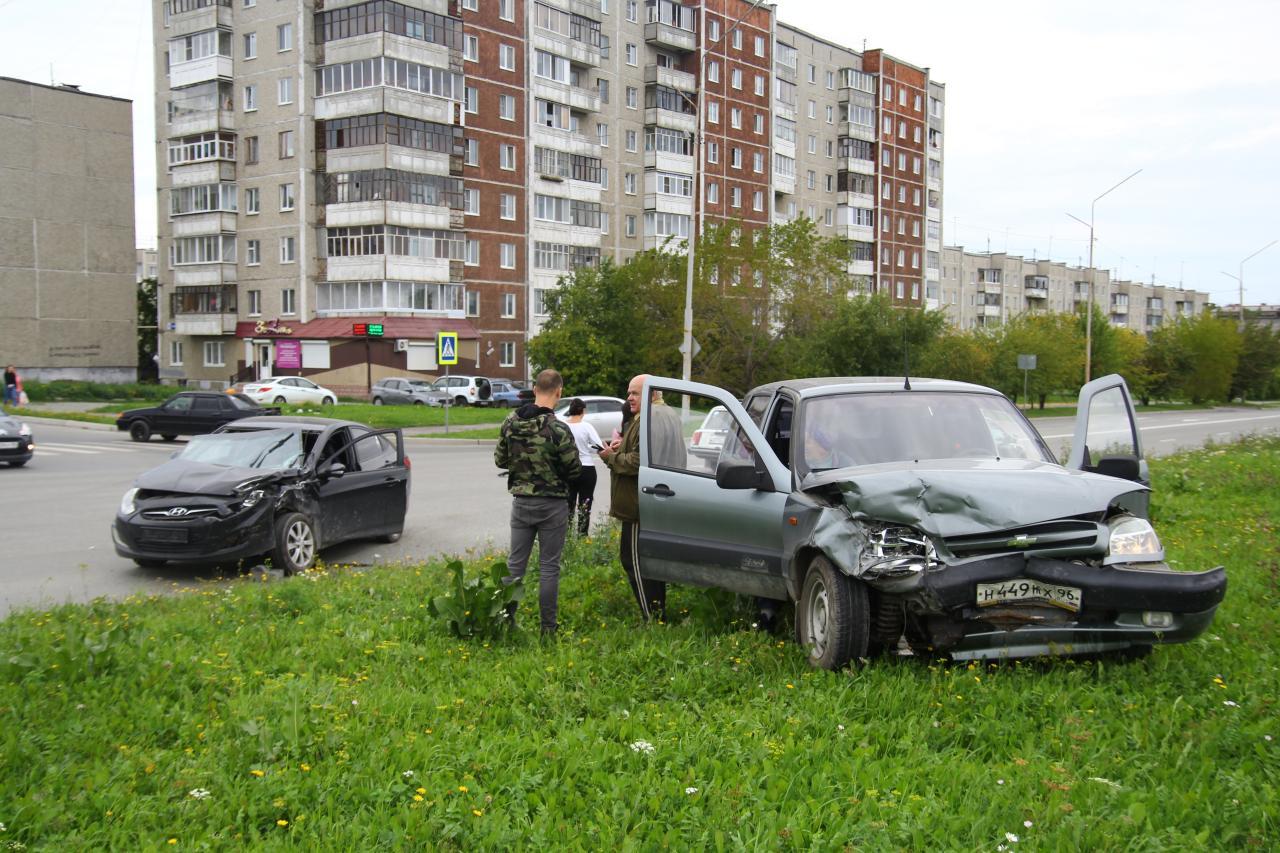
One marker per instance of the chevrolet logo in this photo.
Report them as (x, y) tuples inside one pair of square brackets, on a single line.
[(1021, 541), (177, 512)]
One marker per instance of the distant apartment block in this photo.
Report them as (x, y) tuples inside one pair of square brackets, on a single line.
[(439, 165), (67, 292), (989, 288)]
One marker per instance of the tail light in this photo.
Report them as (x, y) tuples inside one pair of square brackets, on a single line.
[(697, 434), (408, 464)]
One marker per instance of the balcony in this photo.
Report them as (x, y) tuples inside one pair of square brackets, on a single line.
[(197, 224), (856, 131), (199, 71), (665, 35), (1120, 308), (578, 99), (785, 184), (682, 164), (989, 310), (862, 267), (1036, 287), (856, 164), (208, 172), (664, 203), (387, 157), (373, 45), (207, 17), (381, 99), (203, 310), (388, 213), (671, 119), (204, 121), (671, 78), (578, 52), (195, 275), (388, 267)]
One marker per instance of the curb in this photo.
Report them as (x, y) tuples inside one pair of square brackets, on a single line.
[(453, 442), (68, 423)]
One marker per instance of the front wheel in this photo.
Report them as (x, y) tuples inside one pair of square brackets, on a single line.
[(295, 549), (459, 401), (327, 401), (377, 401), (139, 431), (18, 463), (832, 616), (279, 400)]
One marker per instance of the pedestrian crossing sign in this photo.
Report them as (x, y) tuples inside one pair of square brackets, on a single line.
[(447, 348)]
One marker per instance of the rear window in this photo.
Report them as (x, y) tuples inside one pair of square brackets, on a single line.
[(718, 420), (242, 402)]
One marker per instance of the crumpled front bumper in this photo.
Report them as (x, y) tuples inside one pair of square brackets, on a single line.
[(207, 540), (1114, 600)]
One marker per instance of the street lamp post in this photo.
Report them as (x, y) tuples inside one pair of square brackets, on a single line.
[(1088, 321), (1240, 278)]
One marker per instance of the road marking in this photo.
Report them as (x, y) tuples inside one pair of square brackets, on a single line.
[(44, 448), (88, 447), (1145, 428)]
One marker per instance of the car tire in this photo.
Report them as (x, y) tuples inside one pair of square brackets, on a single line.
[(295, 549), (418, 403), (377, 401), (140, 431), (327, 401), (833, 616), (18, 463), (888, 620), (149, 564), (460, 401), (170, 437), (279, 400)]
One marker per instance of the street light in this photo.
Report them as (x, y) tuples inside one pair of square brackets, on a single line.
[(1240, 278), (1088, 321)]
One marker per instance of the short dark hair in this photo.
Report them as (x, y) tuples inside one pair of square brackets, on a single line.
[(549, 380), (576, 406)]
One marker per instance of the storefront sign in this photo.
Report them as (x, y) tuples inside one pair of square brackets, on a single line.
[(271, 327), (289, 354)]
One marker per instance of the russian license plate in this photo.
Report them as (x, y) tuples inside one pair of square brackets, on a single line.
[(9, 444), (1024, 590)]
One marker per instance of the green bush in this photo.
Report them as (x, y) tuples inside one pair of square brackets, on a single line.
[(475, 609), (74, 389)]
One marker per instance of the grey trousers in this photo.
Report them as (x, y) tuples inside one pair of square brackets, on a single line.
[(548, 520)]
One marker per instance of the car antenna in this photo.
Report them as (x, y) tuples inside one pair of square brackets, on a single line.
[(906, 358)]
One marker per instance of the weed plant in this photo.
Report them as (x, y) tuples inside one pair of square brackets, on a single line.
[(330, 712)]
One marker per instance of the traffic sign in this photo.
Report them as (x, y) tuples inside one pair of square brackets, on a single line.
[(447, 348)]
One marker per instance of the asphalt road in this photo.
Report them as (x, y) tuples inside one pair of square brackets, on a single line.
[(55, 513)]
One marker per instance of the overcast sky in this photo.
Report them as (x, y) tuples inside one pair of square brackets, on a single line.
[(1048, 105)]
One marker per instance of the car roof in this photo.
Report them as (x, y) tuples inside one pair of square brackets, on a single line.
[(588, 398), (201, 394), (290, 422), (823, 385)]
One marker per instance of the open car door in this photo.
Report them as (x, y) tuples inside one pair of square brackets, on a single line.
[(693, 529), (1107, 440)]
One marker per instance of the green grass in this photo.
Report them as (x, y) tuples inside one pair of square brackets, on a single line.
[(489, 433), (402, 416), (316, 711), (85, 417)]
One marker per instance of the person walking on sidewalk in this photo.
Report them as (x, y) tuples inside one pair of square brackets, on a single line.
[(582, 490), (540, 457), (12, 385)]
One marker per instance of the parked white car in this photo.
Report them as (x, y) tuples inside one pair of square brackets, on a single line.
[(290, 389), (603, 413)]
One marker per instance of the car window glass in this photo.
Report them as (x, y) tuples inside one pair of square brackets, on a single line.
[(778, 433), (266, 449), (373, 452), (1109, 431), (206, 404), (305, 383), (242, 402), (178, 404), (675, 436), (333, 452), (756, 407)]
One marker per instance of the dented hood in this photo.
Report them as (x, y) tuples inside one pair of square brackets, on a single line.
[(198, 478), (961, 497)]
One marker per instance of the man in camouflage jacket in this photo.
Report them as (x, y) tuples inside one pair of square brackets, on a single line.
[(541, 459)]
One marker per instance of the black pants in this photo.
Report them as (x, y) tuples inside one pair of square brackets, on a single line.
[(581, 493), (653, 601)]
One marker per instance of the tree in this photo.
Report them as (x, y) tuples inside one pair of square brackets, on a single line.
[(1198, 357), (1259, 357), (965, 356), (869, 336), (1139, 374), (148, 369), (1106, 357), (1057, 344)]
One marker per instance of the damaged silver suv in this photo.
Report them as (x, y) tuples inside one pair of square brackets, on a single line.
[(921, 507)]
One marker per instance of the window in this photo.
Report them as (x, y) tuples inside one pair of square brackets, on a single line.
[(604, 223), (602, 134), (713, 193), (831, 148), (506, 57), (713, 29), (886, 190), (255, 303), (507, 259), (831, 79), (902, 161), (507, 354), (507, 10), (831, 115), (886, 157), (633, 97), (811, 180), (757, 201), (735, 78), (888, 92), (473, 152), (250, 98), (735, 158), (288, 254), (213, 354), (713, 152), (175, 353), (471, 99), (250, 45), (759, 84), (289, 300), (813, 73), (887, 125), (286, 144), (629, 183), (812, 142), (629, 225), (471, 256), (735, 197), (507, 157), (633, 143), (632, 55), (902, 97), (917, 103), (737, 39), (759, 124), (735, 118), (471, 5), (284, 89), (831, 183), (252, 201), (471, 200), (253, 252), (507, 206), (759, 45), (473, 303), (713, 112), (902, 225), (602, 89), (286, 197), (902, 194), (507, 107), (757, 162), (284, 37), (471, 48), (633, 11)]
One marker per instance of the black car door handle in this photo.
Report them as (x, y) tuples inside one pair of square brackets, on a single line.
[(660, 490)]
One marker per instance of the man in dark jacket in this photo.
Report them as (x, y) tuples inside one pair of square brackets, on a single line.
[(541, 459)]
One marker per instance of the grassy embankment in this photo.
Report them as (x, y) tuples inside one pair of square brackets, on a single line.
[(328, 712)]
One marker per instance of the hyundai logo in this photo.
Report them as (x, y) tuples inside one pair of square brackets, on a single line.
[(177, 512)]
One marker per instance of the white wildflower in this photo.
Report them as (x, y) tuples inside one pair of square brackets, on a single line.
[(839, 728), (1013, 839), (691, 791), (999, 781), (626, 715), (1230, 704), (642, 746), (354, 702), (408, 774), (198, 793), (1102, 781), (1267, 738), (3, 828), (1027, 824), (1000, 848)]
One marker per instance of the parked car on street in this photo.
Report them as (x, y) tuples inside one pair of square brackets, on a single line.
[(505, 394), (708, 439), (460, 391), (16, 443), (294, 390), (406, 391), (925, 508), (284, 487), (189, 413), (603, 413)]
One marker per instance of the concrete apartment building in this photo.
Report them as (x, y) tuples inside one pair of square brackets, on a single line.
[(990, 288), (438, 165), (66, 233)]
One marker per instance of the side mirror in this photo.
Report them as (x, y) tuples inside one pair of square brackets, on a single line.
[(740, 474), (1123, 467), (333, 471)]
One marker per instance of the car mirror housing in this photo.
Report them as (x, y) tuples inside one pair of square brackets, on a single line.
[(740, 474), (333, 471)]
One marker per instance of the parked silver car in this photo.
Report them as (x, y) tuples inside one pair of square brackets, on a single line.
[(925, 507), (406, 391)]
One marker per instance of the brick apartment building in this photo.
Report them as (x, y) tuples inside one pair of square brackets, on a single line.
[(440, 164)]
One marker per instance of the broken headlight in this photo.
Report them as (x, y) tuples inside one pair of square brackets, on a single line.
[(1133, 539), (253, 499), (895, 550)]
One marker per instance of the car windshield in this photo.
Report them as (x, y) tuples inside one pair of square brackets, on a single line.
[(868, 429), (271, 450)]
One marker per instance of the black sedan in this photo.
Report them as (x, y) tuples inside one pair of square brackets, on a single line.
[(16, 445), (189, 413), (267, 486)]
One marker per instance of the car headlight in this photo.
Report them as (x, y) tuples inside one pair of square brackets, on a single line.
[(1133, 537), (253, 499), (127, 506)]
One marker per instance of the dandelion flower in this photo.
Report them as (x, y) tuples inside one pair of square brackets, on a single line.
[(258, 773), (417, 798), (305, 767), (173, 841), (642, 746), (282, 822), (477, 812), (1013, 839), (421, 790)]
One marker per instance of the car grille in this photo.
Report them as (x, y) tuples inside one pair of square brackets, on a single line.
[(1065, 537)]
